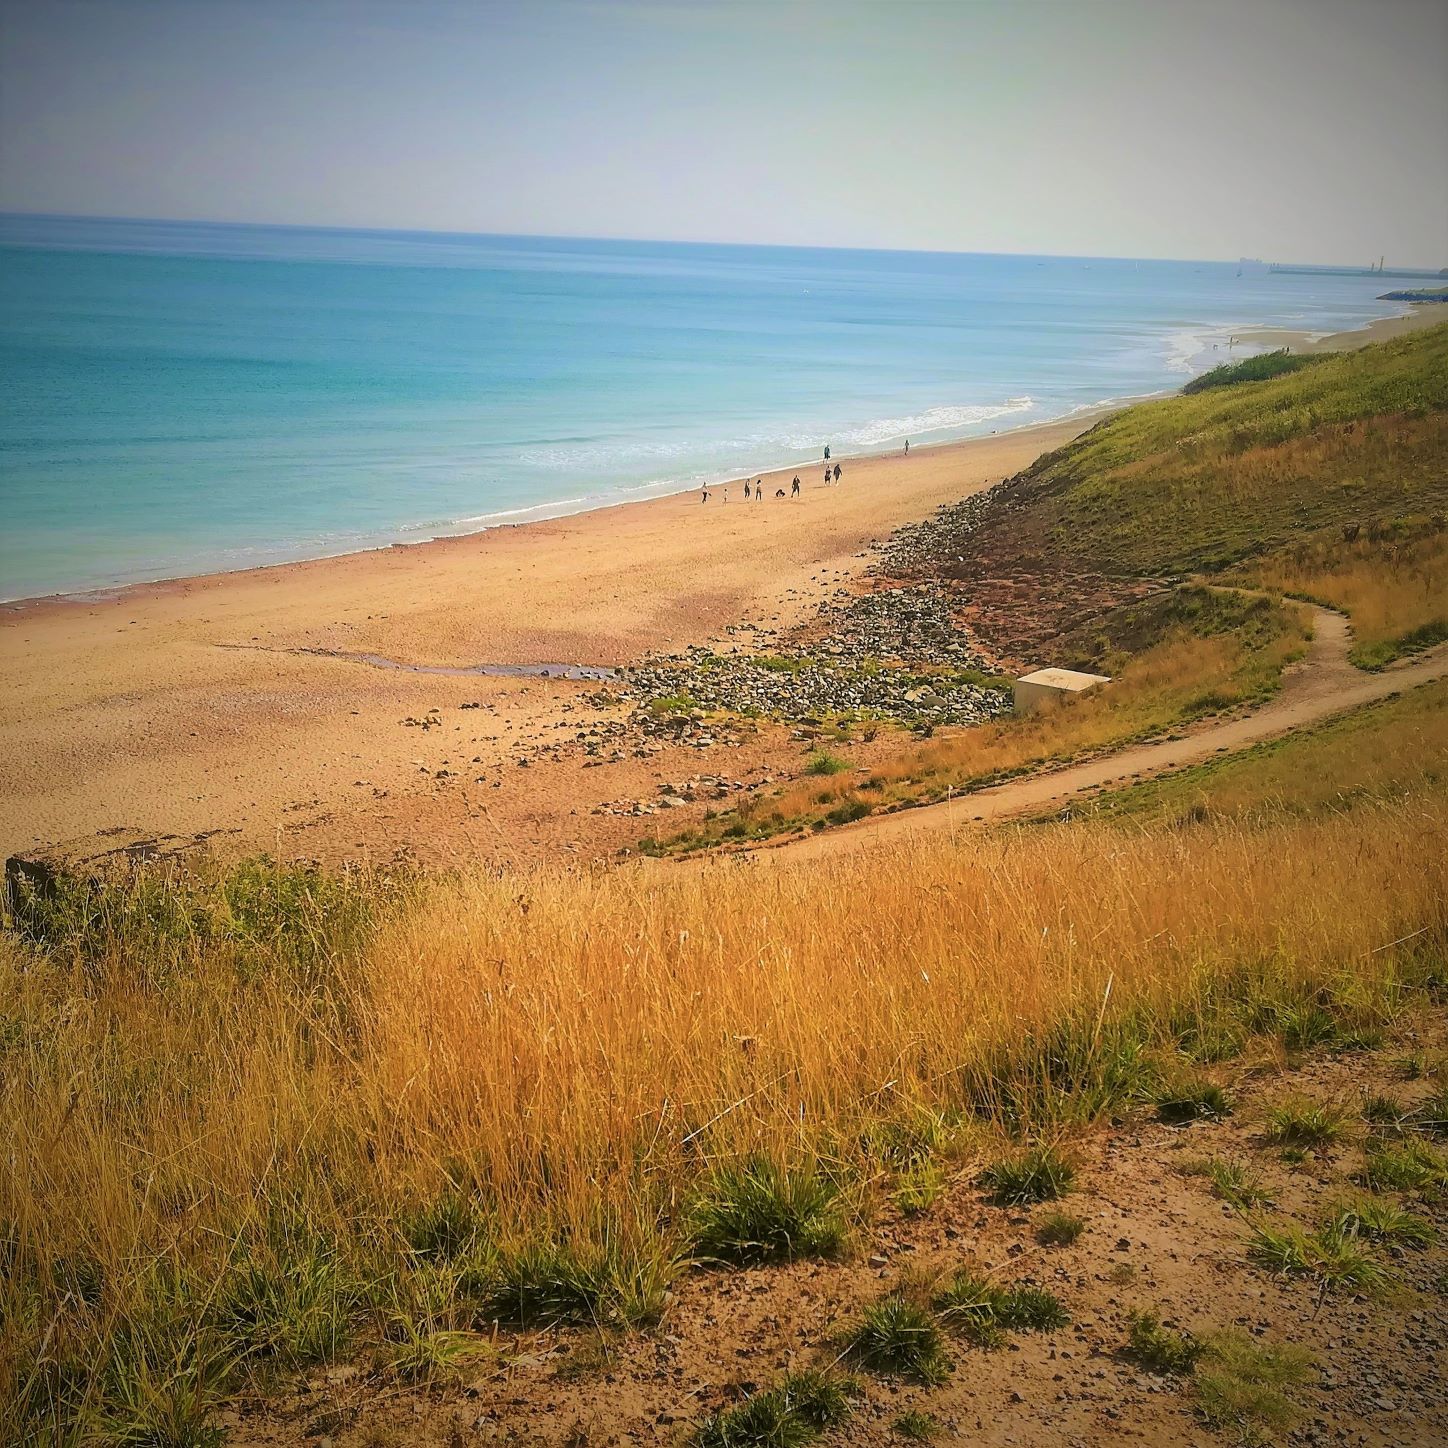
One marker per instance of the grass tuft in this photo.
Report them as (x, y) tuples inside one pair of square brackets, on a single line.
[(1384, 1110), (1059, 1229), (1409, 1166), (897, 1337), (760, 1211), (1186, 1101), (1304, 1123), (983, 1312), (1333, 1257), (1162, 1349), (917, 1427), (794, 1412), (1231, 1182), (1431, 1117), (1240, 1387), (1379, 1221), (1039, 1174)]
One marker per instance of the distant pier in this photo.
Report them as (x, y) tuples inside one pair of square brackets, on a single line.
[(1397, 273)]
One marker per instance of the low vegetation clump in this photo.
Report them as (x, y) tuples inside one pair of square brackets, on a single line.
[(1161, 1348), (1186, 1101), (1431, 1117), (1238, 1383), (983, 1312), (1250, 369), (824, 763), (1333, 1256), (1231, 1182), (794, 1412), (1408, 1166), (1304, 1123), (1038, 1174), (898, 1337), (1382, 1110), (1059, 1229), (917, 1427), (919, 1187), (760, 1211), (1379, 1221), (1241, 1387)]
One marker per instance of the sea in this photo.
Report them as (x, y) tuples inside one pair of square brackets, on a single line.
[(180, 398)]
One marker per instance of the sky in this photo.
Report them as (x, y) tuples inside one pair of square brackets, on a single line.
[(1291, 130)]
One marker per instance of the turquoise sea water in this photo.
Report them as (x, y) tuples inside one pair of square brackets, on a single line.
[(179, 398)]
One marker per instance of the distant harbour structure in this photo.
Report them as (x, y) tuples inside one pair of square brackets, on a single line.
[(1416, 274)]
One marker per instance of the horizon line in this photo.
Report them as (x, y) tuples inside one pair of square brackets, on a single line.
[(660, 240)]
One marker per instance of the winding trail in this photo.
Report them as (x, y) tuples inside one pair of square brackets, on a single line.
[(1319, 685)]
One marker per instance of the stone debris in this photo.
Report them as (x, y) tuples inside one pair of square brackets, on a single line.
[(895, 653)]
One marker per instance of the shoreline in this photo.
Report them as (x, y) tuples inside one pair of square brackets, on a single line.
[(545, 513), (231, 711), (1379, 329)]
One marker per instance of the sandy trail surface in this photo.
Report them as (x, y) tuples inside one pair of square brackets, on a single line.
[(1317, 686)]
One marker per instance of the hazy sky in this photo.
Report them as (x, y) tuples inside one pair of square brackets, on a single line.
[(1311, 130)]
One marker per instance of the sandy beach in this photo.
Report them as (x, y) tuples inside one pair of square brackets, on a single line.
[(211, 709)]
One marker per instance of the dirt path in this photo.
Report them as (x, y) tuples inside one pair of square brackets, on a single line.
[(1321, 684)]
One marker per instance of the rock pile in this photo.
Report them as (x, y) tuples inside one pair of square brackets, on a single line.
[(681, 794)]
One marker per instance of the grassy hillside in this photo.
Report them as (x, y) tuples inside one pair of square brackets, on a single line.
[(1195, 483), (1328, 481), (1397, 749)]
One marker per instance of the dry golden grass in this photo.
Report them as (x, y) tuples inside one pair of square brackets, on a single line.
[(569, 1053), (576, 1037), (1393, 586), (1182, 677)]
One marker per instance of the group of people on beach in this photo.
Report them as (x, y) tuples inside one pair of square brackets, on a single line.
[(754, 489)]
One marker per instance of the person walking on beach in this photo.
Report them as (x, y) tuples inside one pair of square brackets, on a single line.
[(837, 472), (794, 489), (758, 489), (746, 490), (827, 452), (907, 447)]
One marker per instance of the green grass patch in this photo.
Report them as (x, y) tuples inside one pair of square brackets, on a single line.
[(917, 1427), (1231, 1182), (1334, 1257), (1251, 369), (759, 1211), (794, 1412), (1185, 1101), (1059, 1229), (1304, 1123), (983, 1312), (1161, 1348), (1409, 1166), (1038, 1174), (897, 1337), (1241, 1387)]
